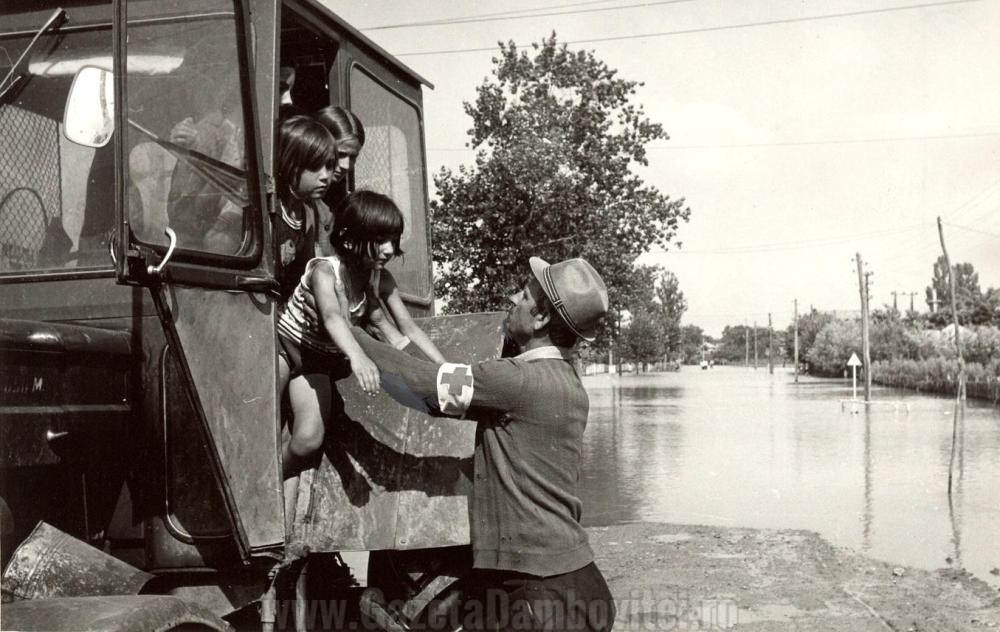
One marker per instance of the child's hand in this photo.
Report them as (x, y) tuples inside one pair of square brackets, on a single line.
[(367, 373), (184, 133)]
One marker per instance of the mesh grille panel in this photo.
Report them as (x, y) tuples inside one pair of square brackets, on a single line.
[(29, 185)]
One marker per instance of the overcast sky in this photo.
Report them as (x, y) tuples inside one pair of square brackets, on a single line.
[(801, 132)]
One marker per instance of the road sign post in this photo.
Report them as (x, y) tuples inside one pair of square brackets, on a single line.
[(854, 363)]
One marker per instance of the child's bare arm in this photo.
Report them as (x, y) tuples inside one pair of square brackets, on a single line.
[(410, 329), (324, 287)]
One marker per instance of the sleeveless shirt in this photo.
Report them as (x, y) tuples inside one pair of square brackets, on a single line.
[(299, 328)]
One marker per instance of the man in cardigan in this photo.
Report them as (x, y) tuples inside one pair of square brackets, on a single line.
[(534, 568)]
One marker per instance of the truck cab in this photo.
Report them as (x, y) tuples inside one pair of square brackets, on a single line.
[(139, 409)]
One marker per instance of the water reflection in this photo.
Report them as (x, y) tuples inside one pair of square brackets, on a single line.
[(866, 536), (735, 447), (624, 422), (955, 492)]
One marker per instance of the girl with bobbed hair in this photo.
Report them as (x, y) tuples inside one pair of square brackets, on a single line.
[(345, 287)]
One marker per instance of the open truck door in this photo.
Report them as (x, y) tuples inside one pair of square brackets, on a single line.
[(190, 216)]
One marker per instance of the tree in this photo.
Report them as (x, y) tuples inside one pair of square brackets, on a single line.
[(732, 344), (810, 324), (991, 302), (655, 305), (643, 340), (968, 296), (834, 345), (692, 341), (672, 305), (557, 140)]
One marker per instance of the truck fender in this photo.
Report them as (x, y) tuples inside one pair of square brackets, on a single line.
[(51, 563), (116, 613)]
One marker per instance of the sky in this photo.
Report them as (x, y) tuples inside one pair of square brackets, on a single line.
[(801, 132)]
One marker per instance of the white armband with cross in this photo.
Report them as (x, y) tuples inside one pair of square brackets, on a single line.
[(454, 388)]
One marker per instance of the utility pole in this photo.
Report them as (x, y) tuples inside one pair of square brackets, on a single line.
[(755, 345), (746, 353), (960, 395), (866, 355), (796, 341), (770, 345), (894, 307), (912, 294)]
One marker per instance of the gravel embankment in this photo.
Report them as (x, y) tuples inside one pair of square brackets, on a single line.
[(685, 577)]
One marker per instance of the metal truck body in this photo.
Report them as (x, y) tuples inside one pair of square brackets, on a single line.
[(139, 408)]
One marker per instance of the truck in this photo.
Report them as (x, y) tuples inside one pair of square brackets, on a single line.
[(140, 418)]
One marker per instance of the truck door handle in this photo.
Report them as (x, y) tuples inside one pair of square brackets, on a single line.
[(257, 284), (52, 437), (158, 268)]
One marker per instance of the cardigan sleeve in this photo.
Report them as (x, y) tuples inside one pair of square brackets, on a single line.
[(449, 388)]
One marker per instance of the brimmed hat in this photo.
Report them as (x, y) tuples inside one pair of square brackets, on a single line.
[(576, 291)]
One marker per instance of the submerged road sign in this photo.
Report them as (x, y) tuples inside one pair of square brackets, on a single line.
[(854, 363)]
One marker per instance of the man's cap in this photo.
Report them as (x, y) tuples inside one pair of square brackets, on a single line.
[(576, 291)]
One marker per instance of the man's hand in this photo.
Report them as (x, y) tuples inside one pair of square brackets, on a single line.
[(366, 372)]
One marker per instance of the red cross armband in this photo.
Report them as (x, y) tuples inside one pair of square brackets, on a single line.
[(454, 388)]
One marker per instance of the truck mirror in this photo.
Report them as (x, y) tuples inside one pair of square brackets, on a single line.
[(90, 107)]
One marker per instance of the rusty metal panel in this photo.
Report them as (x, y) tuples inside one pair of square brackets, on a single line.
[(50, 563), (228, 342), (118, 613), (391, 477)]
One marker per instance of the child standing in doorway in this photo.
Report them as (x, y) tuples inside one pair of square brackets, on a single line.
[(306, 157), (349, 134), (345, 287)]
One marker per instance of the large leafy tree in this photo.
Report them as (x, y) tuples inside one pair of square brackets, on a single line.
[(692, 343), (672, 306), (833, 346), (643, 340), (558, 140), (655, 303), (810, 325), (968, 296), (732, 345)]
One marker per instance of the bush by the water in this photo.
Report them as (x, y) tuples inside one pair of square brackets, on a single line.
[(940, 375), (902, 355)]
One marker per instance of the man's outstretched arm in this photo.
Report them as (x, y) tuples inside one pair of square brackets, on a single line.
[(420, 376), (447, 388)]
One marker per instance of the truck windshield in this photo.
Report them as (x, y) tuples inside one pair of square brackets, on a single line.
[(183, 91)]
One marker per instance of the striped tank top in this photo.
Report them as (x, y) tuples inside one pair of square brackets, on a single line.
[(296, 326)]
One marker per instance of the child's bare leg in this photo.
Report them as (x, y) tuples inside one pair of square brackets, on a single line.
[(290, 488), (310, 399), (283, 374)]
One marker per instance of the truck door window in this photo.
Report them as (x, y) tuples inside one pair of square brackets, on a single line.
[(55, 196), (392, 163), (186, 149)]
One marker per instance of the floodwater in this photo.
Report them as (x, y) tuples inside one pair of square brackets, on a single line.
[(736, 447)]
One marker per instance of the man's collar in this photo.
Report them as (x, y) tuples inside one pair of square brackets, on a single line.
[(548, 352)]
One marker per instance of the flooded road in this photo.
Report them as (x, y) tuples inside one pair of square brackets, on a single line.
[(742, 448)]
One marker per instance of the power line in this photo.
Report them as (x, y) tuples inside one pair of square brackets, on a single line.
[(484, 15), (803, 143), (846, 141), (960, 210), (972, 230), (708, 29), (792, 245), (501, 17)]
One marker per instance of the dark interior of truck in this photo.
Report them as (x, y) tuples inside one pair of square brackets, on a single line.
[(312, 55)]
